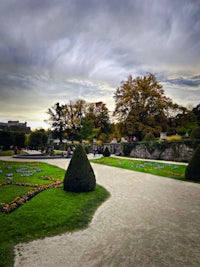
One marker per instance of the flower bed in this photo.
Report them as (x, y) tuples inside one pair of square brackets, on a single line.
[(19, 201)]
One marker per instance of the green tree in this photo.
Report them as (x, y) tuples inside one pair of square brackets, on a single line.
[(38, 138), (183, 122), (141, 106), (57, 119), (99, 114), (19, 139), (87, 130), (7, 139)]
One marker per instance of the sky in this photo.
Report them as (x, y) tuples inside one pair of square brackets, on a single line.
[(60, 50)]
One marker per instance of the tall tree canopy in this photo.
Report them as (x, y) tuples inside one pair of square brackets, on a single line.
[(57, 119), (99, 114), (73, 114), (141, 106), (79, 120)]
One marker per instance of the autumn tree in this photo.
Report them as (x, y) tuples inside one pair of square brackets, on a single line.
[(79, 120), (141, 106), (74, 112)]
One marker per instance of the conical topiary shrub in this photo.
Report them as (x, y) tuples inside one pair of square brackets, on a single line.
[(193, 169), (106, 152), (79, 176)]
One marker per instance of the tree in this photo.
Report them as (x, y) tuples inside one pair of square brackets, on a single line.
[(99, 114), (7, 139), (57, 119), (79, 176), (73, 114), (79, 120), (141, 106), (87, 130), (182, 122), (19, 139), (37, 138)]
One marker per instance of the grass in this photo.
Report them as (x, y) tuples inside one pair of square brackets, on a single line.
[(6, 153), (176, 171), (10, 152), (51, 212)]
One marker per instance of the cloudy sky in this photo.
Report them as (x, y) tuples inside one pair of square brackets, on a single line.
[(60, 50)]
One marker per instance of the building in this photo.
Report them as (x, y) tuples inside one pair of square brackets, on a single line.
[(14, 126)]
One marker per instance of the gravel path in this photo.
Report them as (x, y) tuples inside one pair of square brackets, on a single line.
[(147, 221)]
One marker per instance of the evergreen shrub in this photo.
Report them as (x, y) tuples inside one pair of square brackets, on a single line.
[(195, 134), (87, 150), (192, 171), (106, 152), (149, 137), (79, 176)]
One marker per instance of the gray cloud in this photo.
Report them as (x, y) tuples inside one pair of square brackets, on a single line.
[(182, 81), (55, 50)]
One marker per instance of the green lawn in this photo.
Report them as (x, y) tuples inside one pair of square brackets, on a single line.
[(176, 171), (10, 152), (49, 213)]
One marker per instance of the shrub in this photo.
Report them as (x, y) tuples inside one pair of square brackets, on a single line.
[(195, 134), (87, 150), (149, 137), (193, 169), (128, 147), (106, 152), (79, 176)]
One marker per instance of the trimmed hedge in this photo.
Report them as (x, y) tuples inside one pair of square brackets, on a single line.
[(193, 169), (106, 152), (79, 176)]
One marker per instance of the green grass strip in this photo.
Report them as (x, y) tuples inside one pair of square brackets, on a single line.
[(170, 170)]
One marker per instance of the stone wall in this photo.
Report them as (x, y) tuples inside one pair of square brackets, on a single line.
[(169, 151), (178, 152)]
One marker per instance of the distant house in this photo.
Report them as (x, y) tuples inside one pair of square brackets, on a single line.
[(14, 126)]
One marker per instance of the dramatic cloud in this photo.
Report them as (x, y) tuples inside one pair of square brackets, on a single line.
[(61, 50)]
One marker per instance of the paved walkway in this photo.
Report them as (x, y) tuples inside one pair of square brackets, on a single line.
[(148, 221)]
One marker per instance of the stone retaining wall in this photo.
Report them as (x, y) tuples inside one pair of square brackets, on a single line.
[(179, 153), (174, 151)]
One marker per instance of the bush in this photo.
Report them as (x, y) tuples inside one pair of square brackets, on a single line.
[(149, 137), (195, 134), (106, 152), (193, 169), (79, 176), (87, 150)]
